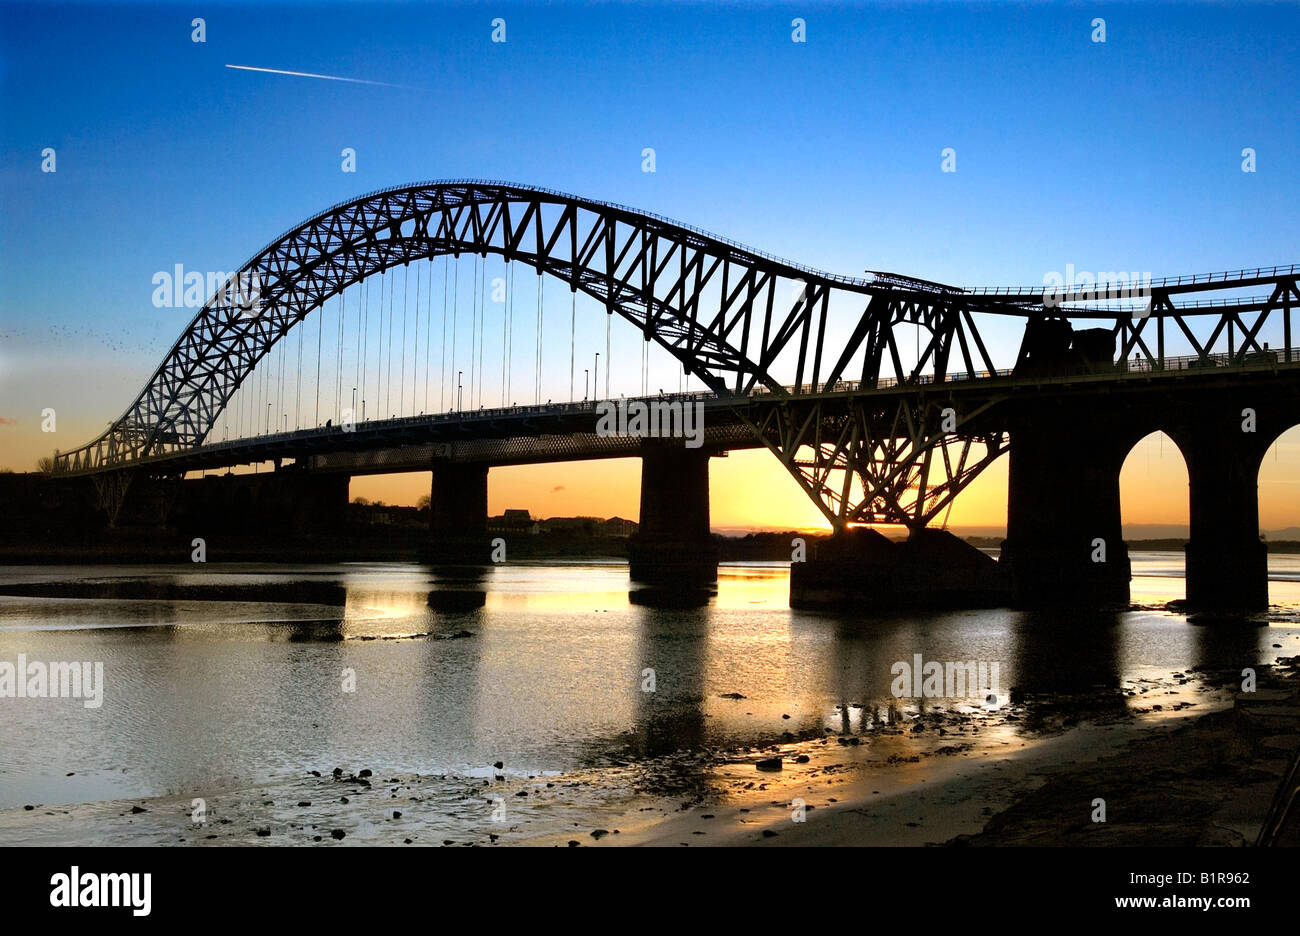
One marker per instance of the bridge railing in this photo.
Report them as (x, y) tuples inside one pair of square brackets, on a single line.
[(1253, 359), (1187, 279)]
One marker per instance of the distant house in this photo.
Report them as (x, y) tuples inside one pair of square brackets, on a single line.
[(617, 526), (589, 526), (513, 521)]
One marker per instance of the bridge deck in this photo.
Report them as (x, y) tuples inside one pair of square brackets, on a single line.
[(567, 431)]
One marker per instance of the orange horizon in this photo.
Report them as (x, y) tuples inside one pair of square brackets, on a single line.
[(751, 490)]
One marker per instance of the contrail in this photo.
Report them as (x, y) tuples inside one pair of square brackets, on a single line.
[(298, 74)]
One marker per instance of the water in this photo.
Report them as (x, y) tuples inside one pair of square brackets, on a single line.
[(226, 695)]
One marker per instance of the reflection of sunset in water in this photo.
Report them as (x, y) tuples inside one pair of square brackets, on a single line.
[(551, 669)]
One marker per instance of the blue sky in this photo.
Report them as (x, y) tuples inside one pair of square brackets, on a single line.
[(1124, 155)]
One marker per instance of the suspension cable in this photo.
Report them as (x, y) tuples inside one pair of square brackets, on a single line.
[(455, 314), (320, 328), (415, 366), (442, 366), (356, 377), (401, 382), (388, 381), (338, 367), (428, 336), (505, 330), (537, 362), (280, 392), (365, 342), (379, 349), (482, 325), (510, 353), (473, 332)]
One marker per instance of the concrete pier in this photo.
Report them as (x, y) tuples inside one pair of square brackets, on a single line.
[(458, 515), (673, 546)]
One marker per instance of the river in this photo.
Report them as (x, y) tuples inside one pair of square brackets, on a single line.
[(556, 674)]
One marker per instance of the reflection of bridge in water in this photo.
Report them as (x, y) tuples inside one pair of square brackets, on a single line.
[(879, 394)]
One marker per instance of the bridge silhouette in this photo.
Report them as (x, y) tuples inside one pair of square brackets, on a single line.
[(878, 393)]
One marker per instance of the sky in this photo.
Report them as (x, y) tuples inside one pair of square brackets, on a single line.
[(1116, 155)]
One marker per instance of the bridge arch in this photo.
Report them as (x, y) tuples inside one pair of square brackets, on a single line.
[(1278, 485), (649, 270), (1154, 475)]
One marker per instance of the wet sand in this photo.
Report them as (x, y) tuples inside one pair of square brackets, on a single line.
[(980, 777)]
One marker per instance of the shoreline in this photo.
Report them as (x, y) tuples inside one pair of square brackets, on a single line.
[(967, 786)]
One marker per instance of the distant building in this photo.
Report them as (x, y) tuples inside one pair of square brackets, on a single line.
[(513, 521), (589, 526), (617, 526)]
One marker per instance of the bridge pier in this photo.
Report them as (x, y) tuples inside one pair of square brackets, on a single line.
[(458, 515), (673, 545), (1226, 562), (862, 571), (1065, 542)]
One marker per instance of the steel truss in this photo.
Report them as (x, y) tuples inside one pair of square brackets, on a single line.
[(733, 316), (898, 459)]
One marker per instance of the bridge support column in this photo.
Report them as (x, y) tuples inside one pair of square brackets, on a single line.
[(1064, 542), (1227, 564), (458, 515), (673, 545)]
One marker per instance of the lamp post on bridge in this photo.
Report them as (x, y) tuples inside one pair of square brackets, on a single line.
[(458, 373), (268, 419), (586, 372)]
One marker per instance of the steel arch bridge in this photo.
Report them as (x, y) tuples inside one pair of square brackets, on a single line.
[(816, 359)]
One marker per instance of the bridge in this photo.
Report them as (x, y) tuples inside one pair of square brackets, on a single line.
[(878, 393)]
